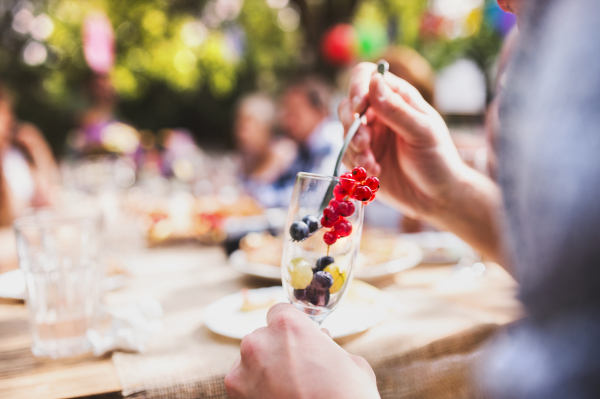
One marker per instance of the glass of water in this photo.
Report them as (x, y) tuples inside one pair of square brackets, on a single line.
[(59, 254)]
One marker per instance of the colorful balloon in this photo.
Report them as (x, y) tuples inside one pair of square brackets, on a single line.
[(338, 45), (372, 40), (98, 43), (501, 20)]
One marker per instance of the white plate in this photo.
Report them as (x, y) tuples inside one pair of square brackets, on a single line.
[(440, 246), (364, 307), (13, 285), (414, 256)]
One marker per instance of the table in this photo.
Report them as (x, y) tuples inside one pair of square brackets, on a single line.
[(186, 279)]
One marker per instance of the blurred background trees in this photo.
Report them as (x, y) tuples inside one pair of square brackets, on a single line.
[(183, 63)]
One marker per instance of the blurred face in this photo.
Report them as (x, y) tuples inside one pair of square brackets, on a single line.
[(6, 122), (252, 135), (102, 89), (298, 117)]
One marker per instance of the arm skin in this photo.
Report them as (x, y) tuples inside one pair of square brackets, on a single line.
[(405, 142)]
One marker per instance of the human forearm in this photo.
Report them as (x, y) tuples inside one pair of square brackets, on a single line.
[(473, 211)]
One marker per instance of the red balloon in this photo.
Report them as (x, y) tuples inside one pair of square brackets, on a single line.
[(338, 45)]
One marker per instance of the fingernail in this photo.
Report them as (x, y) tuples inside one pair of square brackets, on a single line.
[(356, 100), (382, 89)]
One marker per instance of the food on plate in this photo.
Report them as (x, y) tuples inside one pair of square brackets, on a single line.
[(249, 304), (184, 217), (262, 248), (377, 247)]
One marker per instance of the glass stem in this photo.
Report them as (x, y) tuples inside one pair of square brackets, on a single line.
[(318, 319)]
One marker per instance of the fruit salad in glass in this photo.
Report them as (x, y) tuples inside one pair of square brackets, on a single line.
[(322, 240)]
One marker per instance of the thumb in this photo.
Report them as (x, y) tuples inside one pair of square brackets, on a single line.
[(397, 114)]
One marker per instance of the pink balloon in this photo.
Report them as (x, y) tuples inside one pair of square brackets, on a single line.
[(98, 43)]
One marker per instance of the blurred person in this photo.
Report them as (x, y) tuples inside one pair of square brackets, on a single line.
[(305, 118), (88, 138), (541, 223), (264, 158), (29, 171), (100, 131)]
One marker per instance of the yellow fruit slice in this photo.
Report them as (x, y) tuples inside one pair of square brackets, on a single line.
[(301, 273), (339, 277)]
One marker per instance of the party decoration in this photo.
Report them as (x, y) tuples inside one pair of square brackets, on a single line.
[(338, 45), (98, 43), (499, 19), (372, 40)]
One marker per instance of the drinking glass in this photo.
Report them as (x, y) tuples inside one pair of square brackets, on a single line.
[(308, 266), (59, 254)]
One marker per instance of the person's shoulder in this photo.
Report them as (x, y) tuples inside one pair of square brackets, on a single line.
[(28, 128), (28, 134)]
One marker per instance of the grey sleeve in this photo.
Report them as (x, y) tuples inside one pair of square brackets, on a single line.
[(549, 170)]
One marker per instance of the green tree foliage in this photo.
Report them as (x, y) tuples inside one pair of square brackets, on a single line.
[(185, 62)]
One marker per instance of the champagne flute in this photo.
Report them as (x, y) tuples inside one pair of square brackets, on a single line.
[(319, 252)]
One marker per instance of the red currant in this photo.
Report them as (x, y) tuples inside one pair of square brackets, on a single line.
[(330, 238), (347, 181), (326, 223), (334, 203), (373, 183), (363, 193), (359, 173), (346, 208), (330, 213), (347, 175), (340, 193), (342, 228)]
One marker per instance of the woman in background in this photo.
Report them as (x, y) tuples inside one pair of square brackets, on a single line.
[(28, 171)]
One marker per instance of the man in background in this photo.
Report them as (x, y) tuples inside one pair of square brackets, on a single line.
[(304, 116), (264, 157)]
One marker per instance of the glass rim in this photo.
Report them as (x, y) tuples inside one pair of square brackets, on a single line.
[(317, 176), (53, 218)]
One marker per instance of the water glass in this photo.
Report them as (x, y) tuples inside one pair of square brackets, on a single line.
[(316, 275), (59, 254)]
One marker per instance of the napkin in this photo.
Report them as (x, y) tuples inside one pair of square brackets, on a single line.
[(131, 327)]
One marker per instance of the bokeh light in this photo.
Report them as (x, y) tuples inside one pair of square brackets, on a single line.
[(288, 19), (34, 53)]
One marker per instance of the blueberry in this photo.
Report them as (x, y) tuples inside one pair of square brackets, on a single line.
[(323, 262), (322, 280), (298, 231), (311, 222), (300, 295), (317, 297)]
